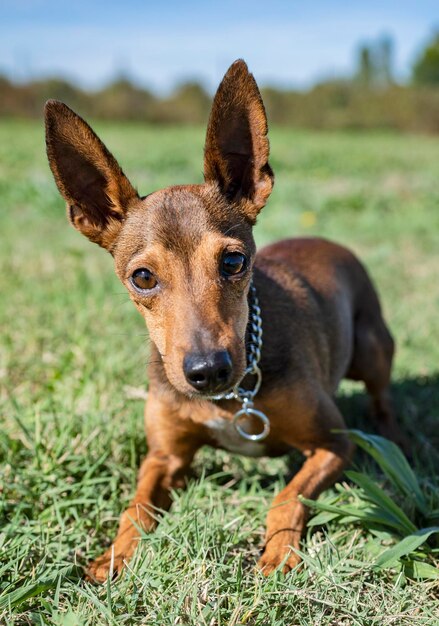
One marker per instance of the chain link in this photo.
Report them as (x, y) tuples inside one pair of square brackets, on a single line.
[(246, 396)]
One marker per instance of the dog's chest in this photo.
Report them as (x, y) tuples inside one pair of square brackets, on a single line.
[(226, 436)]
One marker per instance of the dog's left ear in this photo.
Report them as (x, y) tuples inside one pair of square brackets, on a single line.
[(237, 148)]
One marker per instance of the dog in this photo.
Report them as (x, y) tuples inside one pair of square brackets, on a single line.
[(248, 348)]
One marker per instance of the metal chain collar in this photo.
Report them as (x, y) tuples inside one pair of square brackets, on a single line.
[(246, 396)]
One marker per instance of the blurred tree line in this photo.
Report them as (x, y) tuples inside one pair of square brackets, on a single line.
[(370, 99)]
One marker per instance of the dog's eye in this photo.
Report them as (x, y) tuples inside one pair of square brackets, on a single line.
[(233, 263), (143, 279)]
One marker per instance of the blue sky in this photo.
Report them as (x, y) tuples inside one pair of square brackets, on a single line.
[(160, 43)]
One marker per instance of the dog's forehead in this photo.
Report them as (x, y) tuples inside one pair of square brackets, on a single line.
[(182, 221), (176, 218)]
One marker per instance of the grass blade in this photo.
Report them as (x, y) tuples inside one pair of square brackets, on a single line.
[(26, 591), (374, 493), (393, 463), (404, 547), (418, 569), (372, 516)]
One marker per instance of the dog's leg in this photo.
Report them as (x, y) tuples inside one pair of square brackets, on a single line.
[(164, 468), (159, 474), (372, 363), (327, 455)]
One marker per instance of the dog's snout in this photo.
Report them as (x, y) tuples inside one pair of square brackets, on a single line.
[(208, 372)]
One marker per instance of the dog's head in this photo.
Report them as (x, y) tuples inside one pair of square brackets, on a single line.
[(184, 253)]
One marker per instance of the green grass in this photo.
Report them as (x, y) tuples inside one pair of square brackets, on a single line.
[(73, 353)]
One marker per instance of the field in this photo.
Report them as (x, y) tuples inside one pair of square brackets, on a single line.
[(73, 352)]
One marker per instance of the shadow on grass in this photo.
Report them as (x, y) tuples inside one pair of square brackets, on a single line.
[(416, 403)]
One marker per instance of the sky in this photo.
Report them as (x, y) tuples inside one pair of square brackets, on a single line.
[(159, 44)]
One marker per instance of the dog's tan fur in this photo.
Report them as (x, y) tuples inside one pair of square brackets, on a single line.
[(321, 316)]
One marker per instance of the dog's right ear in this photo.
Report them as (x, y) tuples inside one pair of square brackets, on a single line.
[(236, 149), (97, 192)]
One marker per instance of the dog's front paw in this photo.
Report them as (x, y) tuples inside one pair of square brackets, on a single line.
[(109, 564), (271, 560)]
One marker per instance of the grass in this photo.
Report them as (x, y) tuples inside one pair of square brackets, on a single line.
[(72, 374)]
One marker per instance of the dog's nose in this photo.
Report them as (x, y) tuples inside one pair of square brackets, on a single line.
[(208, 372)]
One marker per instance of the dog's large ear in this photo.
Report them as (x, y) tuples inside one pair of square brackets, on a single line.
[(237, 148), (97, 192)]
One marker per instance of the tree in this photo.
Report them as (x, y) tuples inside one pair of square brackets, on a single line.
[(374, 64), (365, 72), (385, 60), (426, 68)]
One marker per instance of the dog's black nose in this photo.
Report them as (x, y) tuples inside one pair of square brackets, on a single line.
[(208, 372)]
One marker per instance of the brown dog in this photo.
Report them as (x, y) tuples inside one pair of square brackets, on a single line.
[(186, 255)]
